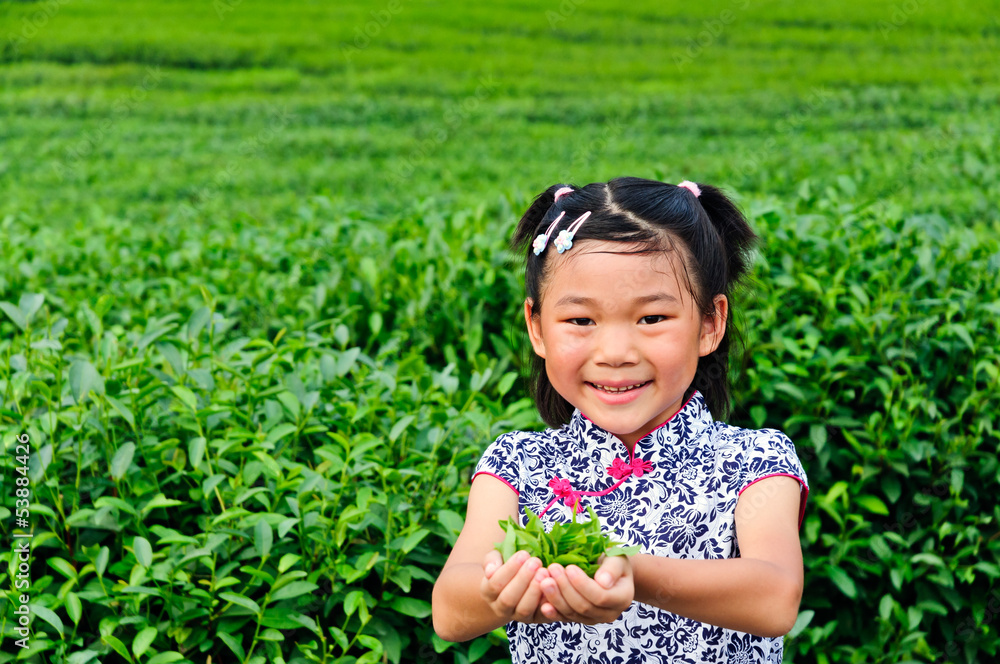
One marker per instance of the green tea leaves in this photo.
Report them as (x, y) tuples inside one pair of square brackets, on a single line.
[(579, 543)]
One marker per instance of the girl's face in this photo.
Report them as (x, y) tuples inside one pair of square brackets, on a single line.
[(611, 321)]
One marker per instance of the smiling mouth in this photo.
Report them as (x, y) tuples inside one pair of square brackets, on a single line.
[(618, 390)]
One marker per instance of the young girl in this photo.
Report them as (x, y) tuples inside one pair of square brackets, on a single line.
[(628, 285)]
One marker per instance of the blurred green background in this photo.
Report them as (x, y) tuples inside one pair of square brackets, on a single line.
[(259, 322)]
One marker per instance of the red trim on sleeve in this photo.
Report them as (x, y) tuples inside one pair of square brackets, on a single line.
[(802, 499), (484, 472)]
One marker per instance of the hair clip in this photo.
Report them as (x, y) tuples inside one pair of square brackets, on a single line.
[(565, 238), (690, 186), (543, 238)]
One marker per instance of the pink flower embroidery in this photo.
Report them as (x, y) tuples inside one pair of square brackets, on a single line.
[(563, 489), (640, 466), (619, 469)]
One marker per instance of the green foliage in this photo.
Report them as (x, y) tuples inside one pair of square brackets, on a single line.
[(256, 316), (579, 543)]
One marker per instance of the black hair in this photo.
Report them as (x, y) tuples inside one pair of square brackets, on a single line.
[(650, 216)]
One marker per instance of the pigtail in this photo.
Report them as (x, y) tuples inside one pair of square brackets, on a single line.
[(737, 240), (737, 237)]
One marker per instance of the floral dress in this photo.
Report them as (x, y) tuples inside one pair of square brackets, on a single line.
[(674, 495)]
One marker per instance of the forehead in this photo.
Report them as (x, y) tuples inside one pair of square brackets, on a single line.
[(604, 271)]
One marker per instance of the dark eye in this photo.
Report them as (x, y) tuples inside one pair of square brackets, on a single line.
[(655, 319), (577, 321)]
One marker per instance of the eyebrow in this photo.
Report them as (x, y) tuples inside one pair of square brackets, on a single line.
[(645, 299)]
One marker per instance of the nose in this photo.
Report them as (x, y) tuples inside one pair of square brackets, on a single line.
[(616, 346)]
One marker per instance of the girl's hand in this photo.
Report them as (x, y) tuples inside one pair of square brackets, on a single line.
[(512, 589), (574, 596)]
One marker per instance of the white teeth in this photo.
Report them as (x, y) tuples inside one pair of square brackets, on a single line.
[(617, 389)]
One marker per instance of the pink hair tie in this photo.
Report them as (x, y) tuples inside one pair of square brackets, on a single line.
[(562, 192), (690, 186)]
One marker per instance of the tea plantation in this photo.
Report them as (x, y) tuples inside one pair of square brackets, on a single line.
[(259, 322)]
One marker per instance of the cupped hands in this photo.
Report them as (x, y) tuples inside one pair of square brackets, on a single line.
[(522, 590)]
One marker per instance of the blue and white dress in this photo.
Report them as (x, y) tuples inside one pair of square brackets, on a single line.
[(676, 496)]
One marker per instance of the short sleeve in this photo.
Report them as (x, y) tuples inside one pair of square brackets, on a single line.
[(770, 453), (501, 460)]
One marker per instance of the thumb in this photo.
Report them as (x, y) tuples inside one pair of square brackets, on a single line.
[(612, 568), (492, 562)]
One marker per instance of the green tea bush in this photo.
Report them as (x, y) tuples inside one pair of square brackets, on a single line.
[(276, 469)]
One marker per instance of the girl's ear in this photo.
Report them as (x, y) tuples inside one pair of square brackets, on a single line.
[(713, 326), (534, 329)]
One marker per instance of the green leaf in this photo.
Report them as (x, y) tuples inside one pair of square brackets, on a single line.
[(240, 600), (186, 396), (29, 304), (623, 550), (101, 563), (159, 500), (293, 589), (287, 561), (339, 636), (413, 539), (15, 315), (571, 559), (143, 551), (503, 387), (234, 643), (122, 410), (196, 451), (74, 608), (142, 641), (873, 504), (410, 606), (478, 648), (117, 646), (507, 547), (122, 460), (351, 602), (165, 657), (263, 538), (197, 322), (82, 378), (805, 617), (48, 616), (399, 427), (62, 567), (279, 432), (843, 581)]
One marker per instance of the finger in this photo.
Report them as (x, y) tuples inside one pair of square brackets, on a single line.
[(492, 562), (494, 584), (548, 613), (510, 596), (564, 596), (590, 592), (527, 606), (612, 568)]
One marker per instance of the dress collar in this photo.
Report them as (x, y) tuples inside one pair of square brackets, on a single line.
[(686, 424)]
